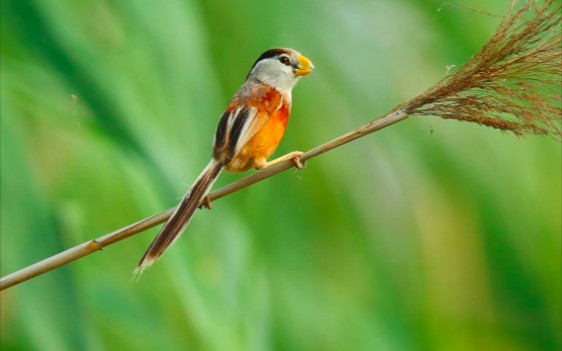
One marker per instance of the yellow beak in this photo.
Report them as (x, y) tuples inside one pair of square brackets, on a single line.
[(304, 67)]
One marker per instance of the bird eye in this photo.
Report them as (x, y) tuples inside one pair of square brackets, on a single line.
[(285, 60)]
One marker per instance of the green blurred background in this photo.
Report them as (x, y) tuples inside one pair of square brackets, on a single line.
[(428, 235)]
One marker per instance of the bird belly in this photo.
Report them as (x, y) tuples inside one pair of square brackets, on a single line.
[(262, 144)]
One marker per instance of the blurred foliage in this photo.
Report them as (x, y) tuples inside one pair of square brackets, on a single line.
[(429, 235)]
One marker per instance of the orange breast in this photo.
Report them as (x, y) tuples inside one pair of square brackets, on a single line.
[(264, 142)]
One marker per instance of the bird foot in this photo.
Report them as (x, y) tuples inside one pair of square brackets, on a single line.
[(206, 203)]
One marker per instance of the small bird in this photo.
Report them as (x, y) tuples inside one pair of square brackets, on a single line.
[(247, 134)]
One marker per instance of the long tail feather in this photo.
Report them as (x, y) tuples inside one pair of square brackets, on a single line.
[(181, 216)]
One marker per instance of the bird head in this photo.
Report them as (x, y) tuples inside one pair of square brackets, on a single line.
[(280, 68)]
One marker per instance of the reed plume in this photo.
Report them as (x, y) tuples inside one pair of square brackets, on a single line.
[(513, 83)]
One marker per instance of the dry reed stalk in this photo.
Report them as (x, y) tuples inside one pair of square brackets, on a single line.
[(514, 83)]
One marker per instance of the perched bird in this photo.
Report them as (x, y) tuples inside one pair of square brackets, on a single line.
[(247, 134)]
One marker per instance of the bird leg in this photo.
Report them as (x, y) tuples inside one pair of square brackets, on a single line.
[(294, 156)]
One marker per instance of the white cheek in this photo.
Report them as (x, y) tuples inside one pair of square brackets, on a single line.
[(276, 75)]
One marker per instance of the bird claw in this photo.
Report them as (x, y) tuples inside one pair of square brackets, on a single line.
[(206, 203), (297, 161)]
